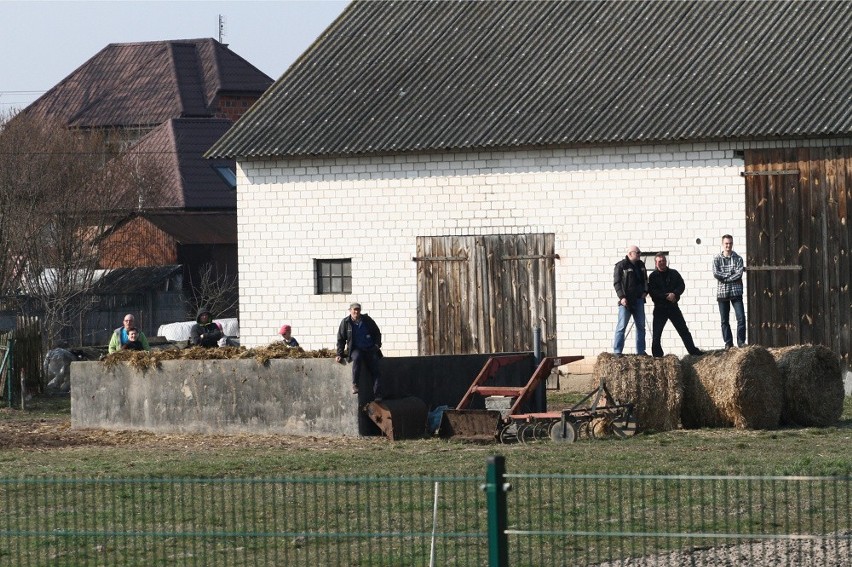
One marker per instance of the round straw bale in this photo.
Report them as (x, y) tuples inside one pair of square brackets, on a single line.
[(812, 384), (653, 385), (736, 387)]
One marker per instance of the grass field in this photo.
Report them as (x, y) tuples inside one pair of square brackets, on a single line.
[(87, 497), (39, 441)]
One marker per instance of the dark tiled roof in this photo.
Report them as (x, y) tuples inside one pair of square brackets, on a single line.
[(134, 280), (189, 180), (407, 76), (197, 228), (127, 84)]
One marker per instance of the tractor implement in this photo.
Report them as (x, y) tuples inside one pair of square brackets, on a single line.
[(462, 422)]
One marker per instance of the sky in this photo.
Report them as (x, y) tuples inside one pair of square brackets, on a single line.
[(43, 42)]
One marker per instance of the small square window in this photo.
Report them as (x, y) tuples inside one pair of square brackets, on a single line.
[(333, 276)]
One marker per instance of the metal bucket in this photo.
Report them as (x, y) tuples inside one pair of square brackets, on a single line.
[(471, 425)]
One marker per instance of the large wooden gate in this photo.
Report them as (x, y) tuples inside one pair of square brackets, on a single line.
[(798, 247), (481, 294)]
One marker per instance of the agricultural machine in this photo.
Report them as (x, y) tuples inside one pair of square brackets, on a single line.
[(597, 415)]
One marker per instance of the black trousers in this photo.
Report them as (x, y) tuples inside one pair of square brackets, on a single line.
[(370, 359), (662, 315)]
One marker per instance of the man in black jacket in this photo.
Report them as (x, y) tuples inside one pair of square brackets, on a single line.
[(360, 340), (666, 286), (205, 332), (630, 280)]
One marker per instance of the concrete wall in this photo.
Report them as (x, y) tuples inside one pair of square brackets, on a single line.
[(298, 397), (288, 396)]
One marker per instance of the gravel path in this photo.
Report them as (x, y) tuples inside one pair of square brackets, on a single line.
[(834, 550)]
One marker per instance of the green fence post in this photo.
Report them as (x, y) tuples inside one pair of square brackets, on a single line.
[(495, 495)]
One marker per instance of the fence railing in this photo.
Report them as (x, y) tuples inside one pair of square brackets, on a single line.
[(555, 519)]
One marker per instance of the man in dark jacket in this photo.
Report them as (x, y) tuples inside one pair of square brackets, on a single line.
[(666, 286), (205, 332), (630, 280), (359, 340)]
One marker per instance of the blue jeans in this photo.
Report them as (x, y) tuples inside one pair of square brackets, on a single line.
[(637, 311), (725, 313)]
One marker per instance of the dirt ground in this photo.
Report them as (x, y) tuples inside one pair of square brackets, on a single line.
[(47, 433)]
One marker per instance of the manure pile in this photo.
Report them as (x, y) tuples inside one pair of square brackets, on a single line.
[(142, 359)]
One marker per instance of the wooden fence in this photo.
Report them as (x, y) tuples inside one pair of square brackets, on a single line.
[(25, 358)]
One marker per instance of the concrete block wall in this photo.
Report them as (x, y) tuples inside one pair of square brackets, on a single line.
[(304, 397), (677, 198), (295, 397)]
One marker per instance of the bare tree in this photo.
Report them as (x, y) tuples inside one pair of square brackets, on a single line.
[(60, 190), (216, 291)]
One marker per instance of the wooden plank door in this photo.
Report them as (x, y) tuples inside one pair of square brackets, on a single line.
[(481, 294), (798, 237)]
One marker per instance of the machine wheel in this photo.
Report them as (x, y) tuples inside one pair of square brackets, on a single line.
[(558, 434), (508, 434), (526, 432), (624, 426), (542, 430), (584, 429)]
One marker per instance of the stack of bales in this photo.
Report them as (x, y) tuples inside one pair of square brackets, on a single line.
[(737, 387), (746, 388), (812, 385), (653, 385)]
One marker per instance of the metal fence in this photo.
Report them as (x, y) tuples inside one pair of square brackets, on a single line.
[(541, 520)]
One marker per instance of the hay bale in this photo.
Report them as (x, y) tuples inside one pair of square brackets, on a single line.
[(737, 387), (653, 385), (811, 383)]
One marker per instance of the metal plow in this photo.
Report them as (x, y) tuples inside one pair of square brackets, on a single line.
[(597, 416)]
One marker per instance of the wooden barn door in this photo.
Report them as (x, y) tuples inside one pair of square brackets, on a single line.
[(481, 294), (798, 247)]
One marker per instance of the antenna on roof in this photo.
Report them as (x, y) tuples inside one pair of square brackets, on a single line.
[(222, 30)]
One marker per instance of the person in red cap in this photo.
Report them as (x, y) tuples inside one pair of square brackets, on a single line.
[(288, 339)]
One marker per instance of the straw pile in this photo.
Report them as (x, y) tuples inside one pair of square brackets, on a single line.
[(653, 385), (812, 385), (737, 387)]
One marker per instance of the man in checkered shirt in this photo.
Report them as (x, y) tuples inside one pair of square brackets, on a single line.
[(728, 269)]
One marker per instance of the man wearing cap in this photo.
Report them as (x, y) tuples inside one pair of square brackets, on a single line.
[(288, 339), (359, 340)]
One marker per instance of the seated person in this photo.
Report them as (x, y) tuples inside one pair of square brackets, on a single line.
[(205, 332), (133, 342), (119, 336), (287, 337)]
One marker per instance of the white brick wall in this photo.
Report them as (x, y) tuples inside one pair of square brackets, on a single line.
[(679, 198)]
